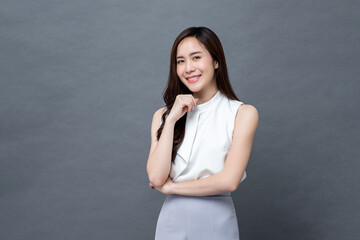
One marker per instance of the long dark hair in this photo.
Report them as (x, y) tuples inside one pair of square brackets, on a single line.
[(174, 85)]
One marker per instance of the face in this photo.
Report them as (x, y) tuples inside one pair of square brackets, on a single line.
[(195, 66)]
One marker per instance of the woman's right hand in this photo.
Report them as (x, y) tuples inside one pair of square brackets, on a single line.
[(183, 103)]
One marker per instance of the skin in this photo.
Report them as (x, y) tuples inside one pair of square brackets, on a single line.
[(246, 122), (197, 64)]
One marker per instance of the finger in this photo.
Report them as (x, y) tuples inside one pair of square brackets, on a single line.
[(187, 107), (194, 101), (189, 104)]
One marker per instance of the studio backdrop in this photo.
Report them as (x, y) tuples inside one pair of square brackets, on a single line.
[(79, 84)]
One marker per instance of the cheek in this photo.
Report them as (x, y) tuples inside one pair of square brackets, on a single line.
[(208, 66), (204, 63), (178, 71)]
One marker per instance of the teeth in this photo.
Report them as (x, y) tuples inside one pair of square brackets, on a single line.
[(193, 78)]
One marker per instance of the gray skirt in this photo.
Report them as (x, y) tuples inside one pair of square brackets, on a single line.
[(197, 218)]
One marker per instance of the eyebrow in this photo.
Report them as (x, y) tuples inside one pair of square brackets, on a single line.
[(189, 55)]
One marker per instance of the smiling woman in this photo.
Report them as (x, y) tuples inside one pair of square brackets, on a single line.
[(200, 142), (195, 62)]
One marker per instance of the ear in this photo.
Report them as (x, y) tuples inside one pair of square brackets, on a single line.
[(216, 65)]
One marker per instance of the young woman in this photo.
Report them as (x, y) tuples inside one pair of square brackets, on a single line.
[(200, 142)]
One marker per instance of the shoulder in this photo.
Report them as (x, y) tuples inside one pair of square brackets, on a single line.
[(157, 116), (156, 122), (248, 109), (159, 112), (247, 114)]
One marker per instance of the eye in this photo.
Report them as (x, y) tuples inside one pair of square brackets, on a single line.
[(180, 61), (197, 57)]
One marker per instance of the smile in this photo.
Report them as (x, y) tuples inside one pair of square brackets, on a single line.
[(193, 79)]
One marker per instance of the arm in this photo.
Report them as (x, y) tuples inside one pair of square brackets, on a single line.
[(159, 160), (229, 178), (214, 184)]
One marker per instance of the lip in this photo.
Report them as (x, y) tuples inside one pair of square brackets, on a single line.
[(195, 80), (193, 76)]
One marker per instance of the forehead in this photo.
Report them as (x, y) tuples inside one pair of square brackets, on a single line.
[(189, 45)]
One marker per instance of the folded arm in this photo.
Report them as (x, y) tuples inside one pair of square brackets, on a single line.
[(229, 178), (214, 184)]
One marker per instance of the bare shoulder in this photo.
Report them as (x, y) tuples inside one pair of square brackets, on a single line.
[(155, 125), (158, 113), (247, 109), (247, 116), (157, 117)]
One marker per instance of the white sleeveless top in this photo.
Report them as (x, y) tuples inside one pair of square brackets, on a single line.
[(208, 137)]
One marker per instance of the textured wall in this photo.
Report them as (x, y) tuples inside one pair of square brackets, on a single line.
[(80, 81)]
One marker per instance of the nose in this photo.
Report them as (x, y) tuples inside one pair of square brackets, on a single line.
[(189, 67)]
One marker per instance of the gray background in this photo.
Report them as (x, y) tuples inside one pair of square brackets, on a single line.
[(80, 81)]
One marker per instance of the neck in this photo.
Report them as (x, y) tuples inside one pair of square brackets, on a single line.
[(205, 96)]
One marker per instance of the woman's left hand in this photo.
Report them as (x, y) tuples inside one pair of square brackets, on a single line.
[(167, 187)]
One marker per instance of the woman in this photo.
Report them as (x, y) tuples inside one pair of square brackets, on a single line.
[(200, 142)]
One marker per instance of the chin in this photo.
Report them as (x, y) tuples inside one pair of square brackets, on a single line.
[(192, 89)]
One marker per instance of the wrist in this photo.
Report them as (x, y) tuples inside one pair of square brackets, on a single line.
[(172, 188), (170, 121)]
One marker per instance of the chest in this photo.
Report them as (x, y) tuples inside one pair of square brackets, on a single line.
[(213, 133)]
